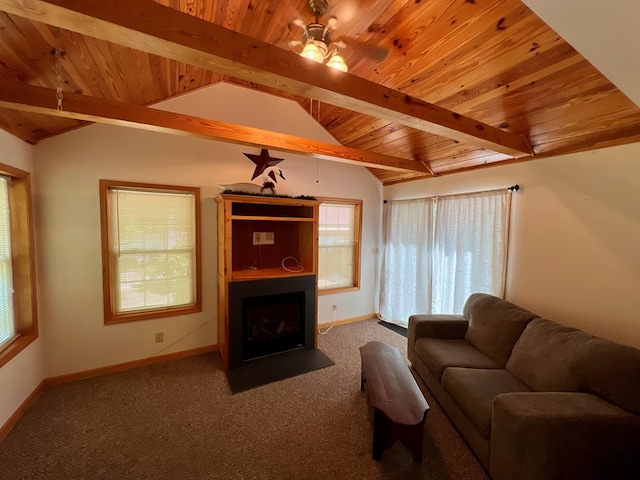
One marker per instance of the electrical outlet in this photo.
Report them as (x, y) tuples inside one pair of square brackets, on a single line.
[(263, 238), (334, 313), (159, 337)]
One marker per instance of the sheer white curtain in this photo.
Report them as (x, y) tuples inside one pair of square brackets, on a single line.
[(405, 284), (469, 248), (439, 251)]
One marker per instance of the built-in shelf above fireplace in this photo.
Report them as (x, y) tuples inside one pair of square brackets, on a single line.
[(263, 238)]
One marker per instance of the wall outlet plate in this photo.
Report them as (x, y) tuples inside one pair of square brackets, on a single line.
[(263, 238)]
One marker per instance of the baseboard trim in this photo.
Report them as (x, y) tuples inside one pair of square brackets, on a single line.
[(344, 321), (17, 415), (94, 372)]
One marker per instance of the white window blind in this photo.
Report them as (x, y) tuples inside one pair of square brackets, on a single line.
[(152, 246), (7, 319), (336, 242)]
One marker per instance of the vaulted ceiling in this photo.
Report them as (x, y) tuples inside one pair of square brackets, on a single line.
[(434, 86)]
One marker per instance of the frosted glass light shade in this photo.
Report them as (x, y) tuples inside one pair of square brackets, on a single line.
[(313, 52), (337, 62)]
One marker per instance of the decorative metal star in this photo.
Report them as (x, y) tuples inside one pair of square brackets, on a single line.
[(262, 161)]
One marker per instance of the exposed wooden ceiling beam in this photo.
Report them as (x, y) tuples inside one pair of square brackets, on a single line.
[(150, 27), (27, 98)]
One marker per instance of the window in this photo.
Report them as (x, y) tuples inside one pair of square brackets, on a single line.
[(339, 245), (18, 312), (150, 250), (7, 325), (440, 250)]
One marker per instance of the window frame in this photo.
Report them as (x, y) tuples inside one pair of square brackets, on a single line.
[(111, 316), (357, 243), (22, 262)]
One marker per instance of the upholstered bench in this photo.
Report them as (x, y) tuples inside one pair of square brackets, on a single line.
[(399, 406)]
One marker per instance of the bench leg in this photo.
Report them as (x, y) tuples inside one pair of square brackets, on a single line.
[(412, 439), (381, 433), (385, 432)]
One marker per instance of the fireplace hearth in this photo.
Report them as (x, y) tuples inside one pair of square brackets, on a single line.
[(272, 316)]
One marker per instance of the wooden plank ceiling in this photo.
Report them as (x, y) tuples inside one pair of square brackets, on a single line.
[(465, 83)]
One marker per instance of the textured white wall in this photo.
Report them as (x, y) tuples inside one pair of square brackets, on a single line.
[(575, 236), (69, 167), (23, 373)]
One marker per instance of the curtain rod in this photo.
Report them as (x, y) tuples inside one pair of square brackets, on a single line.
[(512, 188)]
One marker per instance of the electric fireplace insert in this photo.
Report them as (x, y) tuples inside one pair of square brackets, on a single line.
[(270, 316)]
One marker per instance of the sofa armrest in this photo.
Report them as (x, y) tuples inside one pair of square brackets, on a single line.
[(540, 435), (438, 326), (434, 326)]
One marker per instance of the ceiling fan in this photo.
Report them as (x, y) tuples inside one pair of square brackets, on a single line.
[(318, 42)]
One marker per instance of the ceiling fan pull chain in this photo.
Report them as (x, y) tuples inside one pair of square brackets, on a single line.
[(59, 82)]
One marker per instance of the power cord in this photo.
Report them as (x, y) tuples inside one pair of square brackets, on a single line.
[(255, 265), (326, 331), (292, 268)]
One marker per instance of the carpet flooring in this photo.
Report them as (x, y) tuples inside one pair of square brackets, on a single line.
[(179, 420)]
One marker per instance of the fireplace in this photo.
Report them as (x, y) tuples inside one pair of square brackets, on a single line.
[(270, 317)]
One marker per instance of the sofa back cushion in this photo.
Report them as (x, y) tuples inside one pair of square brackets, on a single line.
[(546, 357), (494, 325), (612, 371), (550, 357)]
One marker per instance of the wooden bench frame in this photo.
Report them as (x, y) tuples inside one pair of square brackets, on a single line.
[(400, 408)]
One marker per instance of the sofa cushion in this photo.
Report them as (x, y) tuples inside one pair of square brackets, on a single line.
[(474, 390), (494, 325), (438, 354), (547, 356), (612, 371)]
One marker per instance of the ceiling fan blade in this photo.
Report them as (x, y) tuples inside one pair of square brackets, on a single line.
[(332, 23), (374, 52), (294, 43), (298, 22)]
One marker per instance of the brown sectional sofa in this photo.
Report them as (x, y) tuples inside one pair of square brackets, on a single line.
[(532, 398)]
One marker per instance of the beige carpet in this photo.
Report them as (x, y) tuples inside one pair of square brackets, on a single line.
[(179, 420)]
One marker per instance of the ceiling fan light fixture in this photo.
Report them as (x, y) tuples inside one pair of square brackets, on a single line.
[(316, 38), (336, 61), (312, 51)]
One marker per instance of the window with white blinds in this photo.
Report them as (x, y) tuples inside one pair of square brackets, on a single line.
[(152, 251), (7, 319), (18, 310), (339, 244)]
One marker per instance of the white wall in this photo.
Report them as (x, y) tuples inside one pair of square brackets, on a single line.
[(69, 167), (23, 373), (574, 253)]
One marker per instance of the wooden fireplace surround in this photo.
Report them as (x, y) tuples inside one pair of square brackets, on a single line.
[(294, 223)]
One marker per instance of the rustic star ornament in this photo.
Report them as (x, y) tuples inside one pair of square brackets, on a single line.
[(262, 161)]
